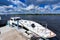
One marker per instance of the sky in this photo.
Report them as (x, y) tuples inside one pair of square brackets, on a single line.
[(30, 6)]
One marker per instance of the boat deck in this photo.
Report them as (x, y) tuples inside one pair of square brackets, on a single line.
[(11, 34)]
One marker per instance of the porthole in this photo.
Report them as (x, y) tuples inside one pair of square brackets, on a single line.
[(33, 25)]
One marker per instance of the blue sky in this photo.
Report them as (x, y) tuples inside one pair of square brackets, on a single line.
[(30, 6)]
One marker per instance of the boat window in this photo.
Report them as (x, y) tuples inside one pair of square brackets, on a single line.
[(26, 32), (19, 26), (25, 28), (17, 19), (33, 25), (11, 19)]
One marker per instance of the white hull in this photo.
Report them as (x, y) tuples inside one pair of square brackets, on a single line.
[(39, 30)]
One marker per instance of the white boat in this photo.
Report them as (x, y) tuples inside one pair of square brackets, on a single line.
[(31, 27)]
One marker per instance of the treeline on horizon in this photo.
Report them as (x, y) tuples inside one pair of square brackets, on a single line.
[(32, 14)]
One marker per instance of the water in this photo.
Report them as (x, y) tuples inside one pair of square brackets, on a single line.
[(53, 22)]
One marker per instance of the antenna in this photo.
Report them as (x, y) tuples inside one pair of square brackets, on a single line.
[(45, 28), (46, 25)]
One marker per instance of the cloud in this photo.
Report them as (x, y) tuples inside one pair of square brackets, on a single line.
[(17, 2), (41, 10), (31, 8), (56, 6), (4, 9), (46, 0), (38, 2)]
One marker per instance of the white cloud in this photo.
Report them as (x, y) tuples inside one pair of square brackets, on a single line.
[(46, 0), (56, 7), (37, 9), (11, 6), (17, 2), (4, 8), (30, 7), (38, 2)]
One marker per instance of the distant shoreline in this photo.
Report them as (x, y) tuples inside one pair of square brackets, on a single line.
[(34, 14)]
